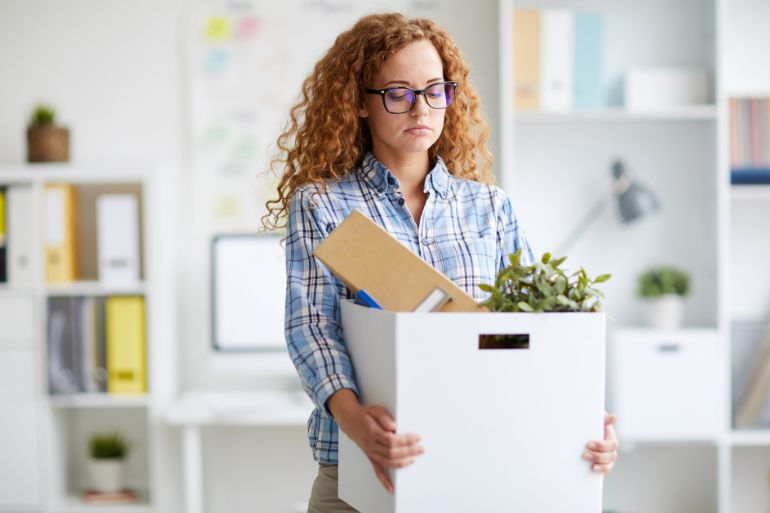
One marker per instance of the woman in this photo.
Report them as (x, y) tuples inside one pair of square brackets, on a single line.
[(388, 123)]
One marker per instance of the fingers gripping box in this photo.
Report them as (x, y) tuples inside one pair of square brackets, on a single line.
[(504, 419)]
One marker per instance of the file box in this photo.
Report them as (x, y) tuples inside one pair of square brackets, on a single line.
[(504, 428)]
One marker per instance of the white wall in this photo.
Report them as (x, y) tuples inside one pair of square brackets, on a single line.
[(112, 69)]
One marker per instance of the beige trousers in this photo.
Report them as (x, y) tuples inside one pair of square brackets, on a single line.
[(323, 498)]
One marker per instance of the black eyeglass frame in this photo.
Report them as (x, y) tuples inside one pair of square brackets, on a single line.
[(415, 92)]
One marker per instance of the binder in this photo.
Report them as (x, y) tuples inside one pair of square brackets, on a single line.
[(526, 59), (588, 61), (557, 71), (3, 247), (117, 220), (92, 350), (126, 362), (20, 241), (64, 365), (60, 252)]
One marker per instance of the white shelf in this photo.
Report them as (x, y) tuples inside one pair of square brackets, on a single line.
[(98, 400), (750, 192), (93, 288), (72, 173), (695, 113), (11, 290), (750, 437)]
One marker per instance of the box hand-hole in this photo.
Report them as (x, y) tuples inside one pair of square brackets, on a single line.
[(512, 341)]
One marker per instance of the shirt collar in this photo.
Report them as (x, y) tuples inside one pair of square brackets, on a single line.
[(381, 178)]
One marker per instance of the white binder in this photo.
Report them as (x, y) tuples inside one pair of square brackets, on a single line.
[(557, 47), (21, 235), (117, 222)]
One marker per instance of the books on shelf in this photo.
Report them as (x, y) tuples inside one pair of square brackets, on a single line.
[(750, 140), (96, 345), (558, 60)]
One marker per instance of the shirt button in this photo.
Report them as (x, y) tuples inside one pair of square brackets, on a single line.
[(426, 242), (401, 202)]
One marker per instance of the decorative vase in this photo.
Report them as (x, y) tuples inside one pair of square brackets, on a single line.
[(107, 475), (48, 143), (665, 312)]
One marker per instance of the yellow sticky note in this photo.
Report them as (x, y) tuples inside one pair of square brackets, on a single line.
[(218, 29)]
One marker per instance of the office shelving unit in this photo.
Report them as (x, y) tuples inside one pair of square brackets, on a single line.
[(50, 432), (707, 226)]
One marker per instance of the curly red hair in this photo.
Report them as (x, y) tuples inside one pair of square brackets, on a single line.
[(319, 144)]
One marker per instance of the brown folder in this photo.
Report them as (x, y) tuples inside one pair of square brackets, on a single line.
[(364, 256)]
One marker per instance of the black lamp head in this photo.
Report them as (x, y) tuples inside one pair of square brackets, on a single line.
[(634, 199)]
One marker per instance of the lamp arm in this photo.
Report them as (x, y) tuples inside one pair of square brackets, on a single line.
[(584, 223)]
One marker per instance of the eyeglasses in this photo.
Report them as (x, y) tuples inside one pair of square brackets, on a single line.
[(400, 100)]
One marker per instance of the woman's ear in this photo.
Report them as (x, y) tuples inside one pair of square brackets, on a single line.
[(363, 112)]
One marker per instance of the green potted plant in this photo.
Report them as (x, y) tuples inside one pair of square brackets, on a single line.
[(46, 142), (664, 288), (108, 452)]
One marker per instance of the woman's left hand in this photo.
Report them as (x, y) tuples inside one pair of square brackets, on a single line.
[(603, 453)]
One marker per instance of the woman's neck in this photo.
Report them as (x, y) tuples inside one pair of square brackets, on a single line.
[(410, 169)]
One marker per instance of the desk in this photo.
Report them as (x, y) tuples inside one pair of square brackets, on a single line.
[(197, 409)]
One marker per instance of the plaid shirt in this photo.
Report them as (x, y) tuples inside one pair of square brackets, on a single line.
[(466, 231)]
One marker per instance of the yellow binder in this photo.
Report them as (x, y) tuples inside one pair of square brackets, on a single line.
[(126, 345), (60, 245), (526, 59)]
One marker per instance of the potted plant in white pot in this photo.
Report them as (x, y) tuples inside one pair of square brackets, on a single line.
[(664, 289), (107, 465)]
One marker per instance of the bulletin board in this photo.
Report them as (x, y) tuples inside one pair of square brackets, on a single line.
[(247, 60)]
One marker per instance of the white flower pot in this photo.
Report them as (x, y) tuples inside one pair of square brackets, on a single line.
[(665, 312), (107, 475)]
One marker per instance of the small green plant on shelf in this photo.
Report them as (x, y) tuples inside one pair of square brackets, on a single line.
[(108, 446), (662, 280), (543, 287), (42, 115)]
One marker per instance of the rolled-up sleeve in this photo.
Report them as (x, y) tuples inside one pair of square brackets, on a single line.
[(510, 236), (313, 324)]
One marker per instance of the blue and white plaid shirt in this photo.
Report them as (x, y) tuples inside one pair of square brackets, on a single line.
[(467, 230)]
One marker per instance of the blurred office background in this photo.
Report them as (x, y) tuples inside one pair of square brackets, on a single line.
[(172, 107)]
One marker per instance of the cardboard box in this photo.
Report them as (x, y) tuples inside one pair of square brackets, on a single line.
[(503, 429), (364, 256)]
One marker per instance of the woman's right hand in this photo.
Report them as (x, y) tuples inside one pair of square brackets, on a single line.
[(374, 431)]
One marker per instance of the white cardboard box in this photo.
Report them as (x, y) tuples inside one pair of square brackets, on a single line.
[(667, 385), (503, 429), (651, 89)]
